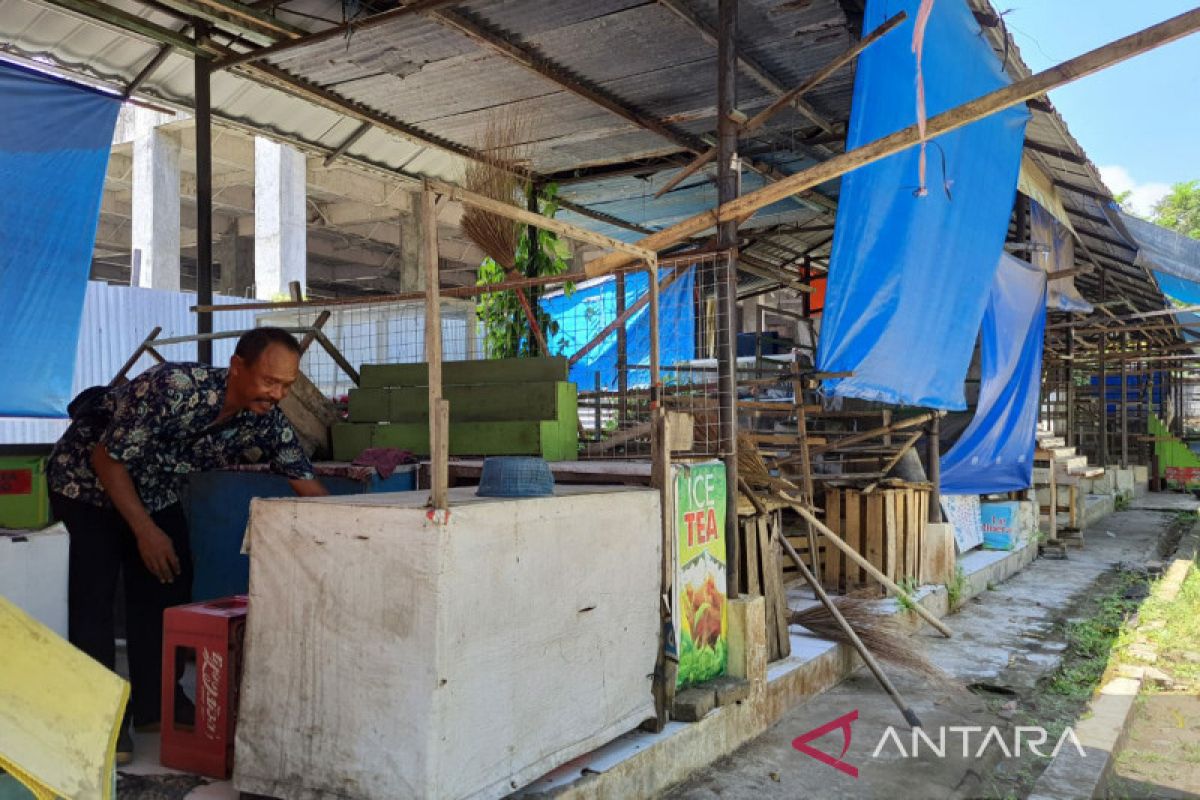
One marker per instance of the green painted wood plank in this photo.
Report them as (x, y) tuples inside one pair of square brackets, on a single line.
[(550, 439), (350, 439), (506, 370), (495, 402)]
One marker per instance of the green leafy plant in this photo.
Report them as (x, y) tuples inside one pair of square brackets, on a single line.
[(910, 585), (1121, 502), (956, 588), (506, 326)]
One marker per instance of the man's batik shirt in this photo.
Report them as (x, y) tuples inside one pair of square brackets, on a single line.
[(160, 427)]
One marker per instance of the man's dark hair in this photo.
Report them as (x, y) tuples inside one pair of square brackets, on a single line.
[(254, 342)]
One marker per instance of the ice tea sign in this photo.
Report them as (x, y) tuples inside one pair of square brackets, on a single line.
[(700, 578)]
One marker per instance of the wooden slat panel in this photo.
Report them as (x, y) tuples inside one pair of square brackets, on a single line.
[(769, 590), (853, 536), (912, 533), (922, 522), (775, 566), (753, 583), (873, 530), (890, 532), (831, 574)]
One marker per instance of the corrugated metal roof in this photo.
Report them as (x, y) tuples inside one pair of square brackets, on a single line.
[(430, 75)]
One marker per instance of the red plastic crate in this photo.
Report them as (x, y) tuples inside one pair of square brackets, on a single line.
[(214, 630)]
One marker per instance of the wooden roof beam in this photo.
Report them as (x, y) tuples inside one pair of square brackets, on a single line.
[(1047, 150)]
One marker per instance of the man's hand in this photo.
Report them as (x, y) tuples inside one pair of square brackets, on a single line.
[(158, 553), (309, 488)]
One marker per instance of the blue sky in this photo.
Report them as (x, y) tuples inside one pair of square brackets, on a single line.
[(1139, 121)]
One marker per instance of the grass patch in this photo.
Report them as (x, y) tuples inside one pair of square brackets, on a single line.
[(1173, 630), (956, 588), (1090, 641), (910, 585)]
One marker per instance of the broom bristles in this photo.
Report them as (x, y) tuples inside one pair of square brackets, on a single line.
[(498, 176), (754, 470), (880, 633)]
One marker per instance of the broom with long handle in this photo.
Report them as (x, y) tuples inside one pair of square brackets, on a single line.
[(751, 465), (909, 715)]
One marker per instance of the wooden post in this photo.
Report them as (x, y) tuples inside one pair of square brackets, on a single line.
[(655, 339), (935, 468), (806, 465), (727, 240), (1103, 410), (622, 356), (1124, 404), (1052, 533), (662, 478), (204, 197), (439, 410), (311, 336), (144, 347), (597, 424), (1071, 438)]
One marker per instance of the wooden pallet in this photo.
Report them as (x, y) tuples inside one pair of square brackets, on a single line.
[(886, 526), (762, 575)]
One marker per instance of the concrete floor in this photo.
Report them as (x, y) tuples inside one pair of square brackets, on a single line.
[(1005, 638)]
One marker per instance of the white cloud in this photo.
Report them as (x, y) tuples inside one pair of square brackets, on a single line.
[(1142, 196)]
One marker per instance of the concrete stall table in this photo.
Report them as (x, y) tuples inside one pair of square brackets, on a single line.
[(389, 654)]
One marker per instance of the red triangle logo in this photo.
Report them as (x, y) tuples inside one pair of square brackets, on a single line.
[(842, 723)]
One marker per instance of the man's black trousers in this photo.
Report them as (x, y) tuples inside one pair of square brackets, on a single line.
[(103, 547)]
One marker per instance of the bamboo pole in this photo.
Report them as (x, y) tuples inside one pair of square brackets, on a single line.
[(1026, 89), (868, 658), (518, 214), (452, 292)]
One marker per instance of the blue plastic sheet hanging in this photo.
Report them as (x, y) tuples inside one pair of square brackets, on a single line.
[(583, 314), (55, 138), (909, 275), (995, 452), (1181, 289)]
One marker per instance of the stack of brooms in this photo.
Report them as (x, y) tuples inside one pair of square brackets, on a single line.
[(851, 621)]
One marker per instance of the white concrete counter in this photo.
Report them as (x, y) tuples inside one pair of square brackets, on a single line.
[(389, 656)]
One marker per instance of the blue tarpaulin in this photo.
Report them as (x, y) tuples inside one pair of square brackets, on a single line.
[(909, 275), (995, 452), (583, 314), (54, 144), (1160, 249), (1181, 289)]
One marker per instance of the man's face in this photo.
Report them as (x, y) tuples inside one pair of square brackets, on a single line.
[(262, 385)]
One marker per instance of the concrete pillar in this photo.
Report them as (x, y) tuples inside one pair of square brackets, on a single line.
[(155, 235), (280, 227), (235, 255)]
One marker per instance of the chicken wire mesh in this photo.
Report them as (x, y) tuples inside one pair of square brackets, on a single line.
[(377, 333)]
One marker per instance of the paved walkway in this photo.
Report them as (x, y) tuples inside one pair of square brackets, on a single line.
[(1005, 639)]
